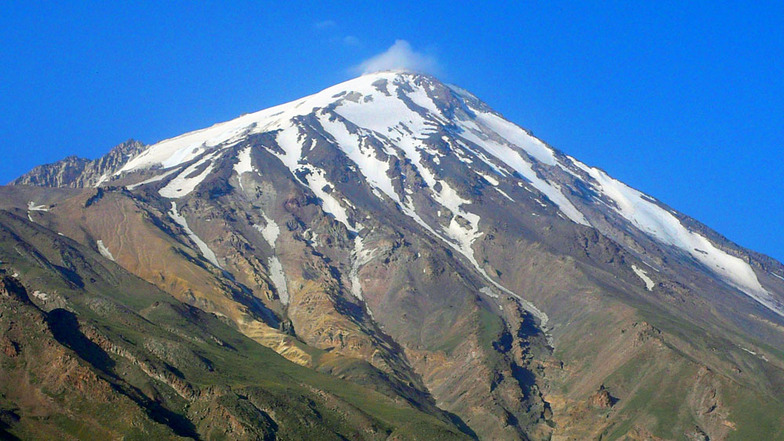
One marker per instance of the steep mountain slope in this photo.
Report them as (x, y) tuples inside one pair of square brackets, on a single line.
[(92, 352), (396, 232)]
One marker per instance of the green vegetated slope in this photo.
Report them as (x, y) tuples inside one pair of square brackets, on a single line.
[(92, 352), (662, 376)]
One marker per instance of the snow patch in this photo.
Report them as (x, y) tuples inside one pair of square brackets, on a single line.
[(101, 180), (32, 207), (243, 165), (104, 251), (504, 194), (278, 278), (644, 276), (493, 181), (205, 250), (760, 356), (318, 182), (359, 257), (421, 98), (489, 292), (362, 154), (270, 231)]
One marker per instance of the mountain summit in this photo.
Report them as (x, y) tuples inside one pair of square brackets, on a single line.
[(397, 233)]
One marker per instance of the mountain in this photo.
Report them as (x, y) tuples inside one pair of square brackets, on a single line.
[(396, 234)]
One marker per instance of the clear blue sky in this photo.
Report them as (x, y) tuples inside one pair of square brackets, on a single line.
[(683, 100)]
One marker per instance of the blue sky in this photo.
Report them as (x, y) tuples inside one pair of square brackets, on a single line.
[(682, 100)]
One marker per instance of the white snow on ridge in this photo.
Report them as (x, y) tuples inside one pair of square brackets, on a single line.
[(644, 276), (101, 180), (317, 182), (184, 183), (666, 228), (288, 140), (186, 147), (205, 250), (494, 182), (421, 98), (504, 194), (104, 251), (515, 135), (512, 158), (244, 163), (364, 156)]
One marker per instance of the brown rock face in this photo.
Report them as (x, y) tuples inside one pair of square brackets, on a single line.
[(602, 399)]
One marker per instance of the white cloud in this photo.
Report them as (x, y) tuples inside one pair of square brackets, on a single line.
[(399, 56)]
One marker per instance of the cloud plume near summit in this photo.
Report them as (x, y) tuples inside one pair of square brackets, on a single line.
[(399, 56)]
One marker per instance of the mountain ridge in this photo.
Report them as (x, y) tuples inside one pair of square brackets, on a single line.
[(76, 172)]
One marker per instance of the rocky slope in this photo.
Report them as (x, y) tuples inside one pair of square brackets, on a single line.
[(80, 172), (89, 351), (396, 233)]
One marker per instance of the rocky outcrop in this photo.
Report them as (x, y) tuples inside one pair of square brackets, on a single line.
[(602, 399), (78, 172)]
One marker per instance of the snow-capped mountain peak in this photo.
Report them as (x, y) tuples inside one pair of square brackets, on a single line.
[(386, 118), (397, 232)]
